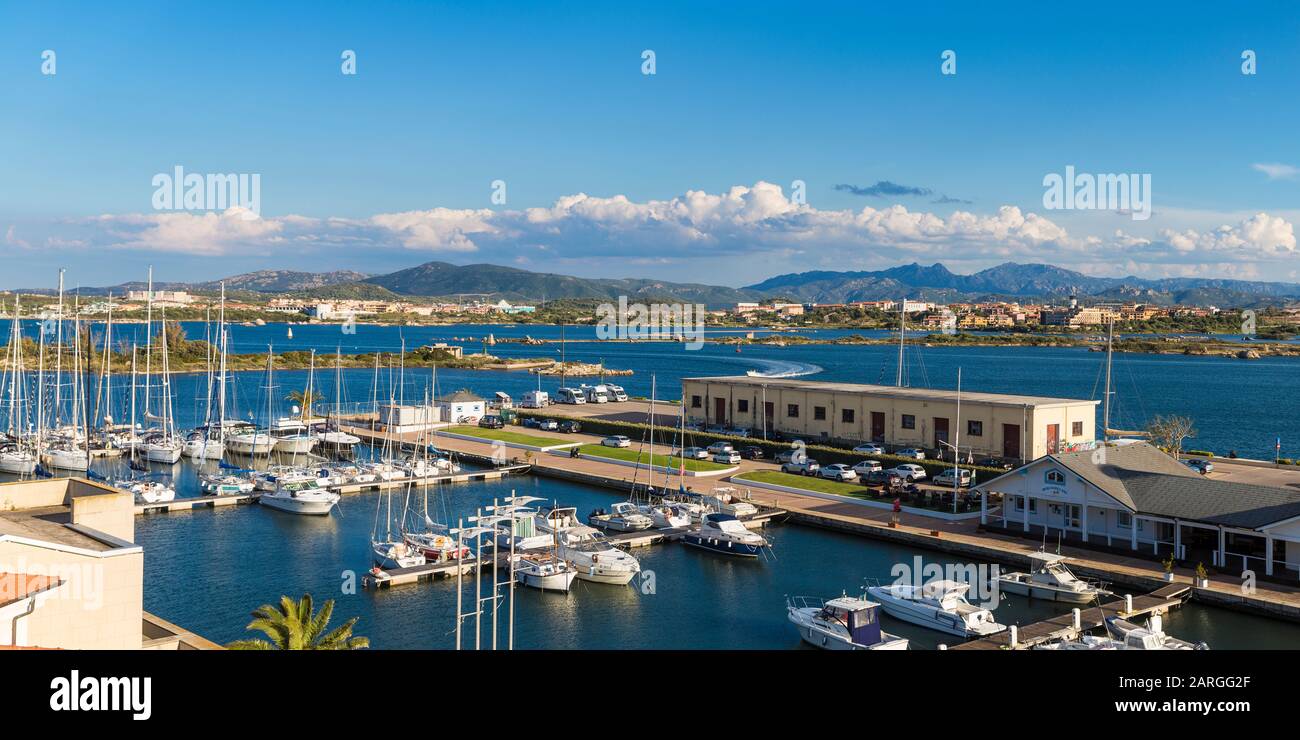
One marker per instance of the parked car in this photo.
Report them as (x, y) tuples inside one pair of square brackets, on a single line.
[(880, 477), (616, 440), (720, 447), (568, 426), (962, 477), (908, 472), (806, 467), (869, 449), (531, 423), (548, 425), (694, 453), (730, 457), (868, 466), (786, 456), (751, 453), (995, 462), (838, 472), (1201, 466), (491, 422), (911, 452)]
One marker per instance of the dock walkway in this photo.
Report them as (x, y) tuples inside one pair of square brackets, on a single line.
[(1062, 627)]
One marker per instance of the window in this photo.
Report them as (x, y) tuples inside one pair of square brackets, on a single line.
[(975, 428), (792, 410), (819, 413), (742, 406), (696, 402), (1020, 504), (908, 421), (1055, 476), (1076, 429), (846, 416), (1124, 520)]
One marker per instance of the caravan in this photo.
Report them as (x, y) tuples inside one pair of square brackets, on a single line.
[(535, 400), (616, 392), (570, 395), (595, 393)]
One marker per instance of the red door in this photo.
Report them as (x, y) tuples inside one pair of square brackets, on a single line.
[(1011, 441), (940, 432), (1053, 438), (719, 411), (877, 426)]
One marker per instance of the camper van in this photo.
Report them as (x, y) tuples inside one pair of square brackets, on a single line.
[(570, 395), (616, 392), (535, 400), (595, 393)]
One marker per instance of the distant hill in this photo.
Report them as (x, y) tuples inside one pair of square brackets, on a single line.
[(1021, 282), (513, 284)]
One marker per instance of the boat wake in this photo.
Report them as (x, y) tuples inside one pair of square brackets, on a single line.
[(782, 369)]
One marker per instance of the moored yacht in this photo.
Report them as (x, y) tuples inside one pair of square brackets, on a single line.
[(622, 517), (292, 437), (393, 555), (595, 558), (545, 571), (150, 492), (843, 623), (65, 458), (1048, 578), (300, 497), (17, 461), (940, 605), (252, 443), (1151, 637), (665, 515), (725, 534), (225, 484)]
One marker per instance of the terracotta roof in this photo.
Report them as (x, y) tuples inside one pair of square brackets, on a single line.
[(15, 587)]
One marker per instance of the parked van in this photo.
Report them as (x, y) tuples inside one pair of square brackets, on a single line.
[(595, 393), (535, 400), (616, 392), (570, 395)]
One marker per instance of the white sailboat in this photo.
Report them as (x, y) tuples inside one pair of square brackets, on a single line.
[(292, 437), (16, 455), (335, 441), (63, 448), (160, 445), (208, 441), (251, 441)]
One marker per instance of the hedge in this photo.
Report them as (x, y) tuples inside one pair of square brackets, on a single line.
[(823, 454)]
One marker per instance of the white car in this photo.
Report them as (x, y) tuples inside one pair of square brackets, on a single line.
[(730, 457), (869, 450), (868, 466), (838, 472), (908, 472), (693, 453), (617, 440), (718, 448), (911, 452), (962, 478)]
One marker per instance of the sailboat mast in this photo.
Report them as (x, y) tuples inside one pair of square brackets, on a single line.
[(902, 331), (148, 340), (58, 357), (1105, 414)]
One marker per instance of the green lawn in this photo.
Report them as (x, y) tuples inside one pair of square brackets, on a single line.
[(806, 482), (663, 461), (505, 435)]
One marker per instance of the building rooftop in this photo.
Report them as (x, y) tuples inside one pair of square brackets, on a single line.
[(15, 587), (48, 524), (892, 391)]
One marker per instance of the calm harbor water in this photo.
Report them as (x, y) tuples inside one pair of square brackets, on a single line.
[(207, 569)]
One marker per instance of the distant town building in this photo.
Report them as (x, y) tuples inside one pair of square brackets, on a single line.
[(175, 297)]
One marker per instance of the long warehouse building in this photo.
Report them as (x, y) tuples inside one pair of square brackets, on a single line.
[(1013, 427)]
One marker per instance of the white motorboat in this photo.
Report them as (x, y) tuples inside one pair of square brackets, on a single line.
[(226, 484), (725, 534), (151, 492), (300, 497), (667, 515), (337, 442), (1085, 642), (384, 471), (939, 605), (724, 499), (1151, 637), (393, 555), (596, 559), (252, 443), (622, 517), (1049, 579), (843, 623), (545, 571), (292, 437)]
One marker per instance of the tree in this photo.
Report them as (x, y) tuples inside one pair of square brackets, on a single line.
[(1169, 432), (294, 625), (304, 399)]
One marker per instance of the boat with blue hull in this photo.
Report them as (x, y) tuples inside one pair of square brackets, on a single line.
[(725, 533), (843, 623)]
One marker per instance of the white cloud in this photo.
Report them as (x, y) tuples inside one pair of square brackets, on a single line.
[(1276, 171)]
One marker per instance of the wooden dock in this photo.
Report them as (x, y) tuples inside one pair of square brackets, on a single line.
[(1062, 627), (379, 578), (197, 502)]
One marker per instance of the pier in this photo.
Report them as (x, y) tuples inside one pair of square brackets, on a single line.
[(1062, 627)]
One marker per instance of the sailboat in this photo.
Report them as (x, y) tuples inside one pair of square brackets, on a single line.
[(337, 442), (254, 442), (391, 553), (16, 456), (546, 570), (207, 442), (435, 543), (63, 451), (292, 437), (160, 445)]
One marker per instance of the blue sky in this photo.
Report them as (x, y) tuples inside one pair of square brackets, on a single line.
[(393, 166)]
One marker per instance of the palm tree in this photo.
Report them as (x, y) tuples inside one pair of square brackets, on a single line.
[(293, 626), (304, 399)]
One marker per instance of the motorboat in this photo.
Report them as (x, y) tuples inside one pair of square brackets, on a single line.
[(724, 499), (725, 534), (622, 517), (545, 571), (1085, 642), (384, 470), (1049, 579), (843, 623), (339, 443), (198, 447), (393, 555), (226, 484), (667, 515), (1150, 637), (939, 605), (525, 534), (300, 497), (151, 492), (292, 437), (595, 558), (276, 476), (252, 443)]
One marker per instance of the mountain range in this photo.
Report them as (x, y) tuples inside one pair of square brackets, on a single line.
[(1013, 281)]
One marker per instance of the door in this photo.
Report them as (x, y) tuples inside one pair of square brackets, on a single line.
[(877, 426), (1011, 441), (1053, 438), (940, 432), (769, 414), (719, 411)]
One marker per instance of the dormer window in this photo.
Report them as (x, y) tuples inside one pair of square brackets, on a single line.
[(1055, 476)]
